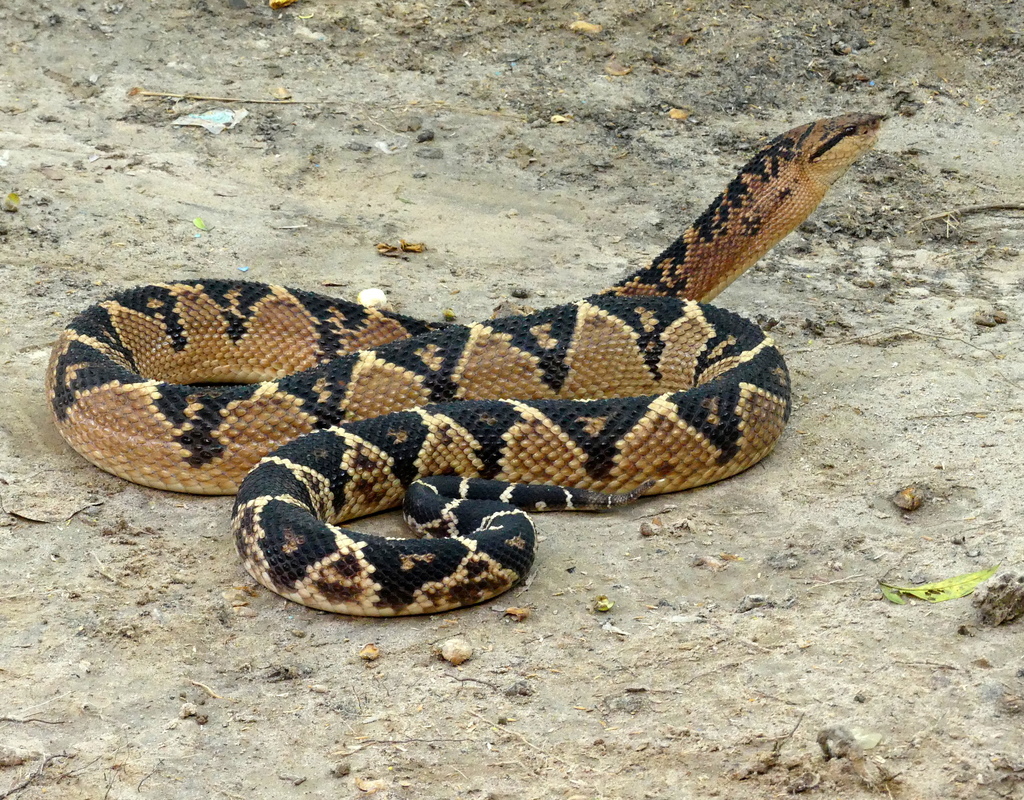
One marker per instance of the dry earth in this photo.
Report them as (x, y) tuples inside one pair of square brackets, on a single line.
[(136, 660)]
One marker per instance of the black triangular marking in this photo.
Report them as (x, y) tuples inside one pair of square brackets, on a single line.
[(547, 335), (158, 303), (639, 313), (596, 426), (744, 336), (206, 405), (403, 561), (400, 435), (433, 355), (91, 367), (324, 310), (711, 411), (96, 323), (486, 421), (237, 301), (332, 376), (292, 539)]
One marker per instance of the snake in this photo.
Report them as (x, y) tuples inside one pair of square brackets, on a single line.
[(315, 411)]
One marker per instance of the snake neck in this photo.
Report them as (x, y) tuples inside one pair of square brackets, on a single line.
[(770, 196)]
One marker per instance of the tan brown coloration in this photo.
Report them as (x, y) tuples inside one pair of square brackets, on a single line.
[(770, 196), (537, 451), (377, 388), (205, 327), (489, 359), (449, 449), (615, 366), (149, 430)]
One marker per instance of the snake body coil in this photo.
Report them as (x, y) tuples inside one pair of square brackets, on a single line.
[(634, 391)]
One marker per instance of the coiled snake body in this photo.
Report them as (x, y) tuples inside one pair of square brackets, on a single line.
[(339, 410)]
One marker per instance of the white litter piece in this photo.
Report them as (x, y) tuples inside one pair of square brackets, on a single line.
[(215, 120)]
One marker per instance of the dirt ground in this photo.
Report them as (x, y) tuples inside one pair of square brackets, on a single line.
[(136, 657)]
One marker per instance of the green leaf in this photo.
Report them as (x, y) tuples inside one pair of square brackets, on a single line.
[(198, 222), (949, 589), (892, 594)]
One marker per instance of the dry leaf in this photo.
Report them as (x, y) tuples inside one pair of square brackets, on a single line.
[(281, 93), (367, 786), (518, 614), (615, 67), (561, 119), (411, 247), (678, 113), (276, 4), (369, 652), (579, 26)]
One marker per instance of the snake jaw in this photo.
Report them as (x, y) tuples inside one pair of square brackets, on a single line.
[(832, 145)]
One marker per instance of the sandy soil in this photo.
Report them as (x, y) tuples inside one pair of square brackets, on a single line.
[(137, 659)]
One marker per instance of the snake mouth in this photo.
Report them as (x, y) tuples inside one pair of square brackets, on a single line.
[(846, 137)]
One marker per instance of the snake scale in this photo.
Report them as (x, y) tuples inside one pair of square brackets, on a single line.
[(316, 411)]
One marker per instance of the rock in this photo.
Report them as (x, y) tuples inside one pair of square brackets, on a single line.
[(456, 651)]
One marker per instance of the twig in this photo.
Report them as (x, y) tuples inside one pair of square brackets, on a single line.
[(40, 767), (837, 580), (138, 91), (207, 689), (26, 720), (473, 680), (515, 734), (102, 570), (979, 209), (779, 740), (936, 664), (892, 332), (355, 748), (37, 706), (975, 413)]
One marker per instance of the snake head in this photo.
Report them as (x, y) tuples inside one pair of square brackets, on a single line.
[(829, 146)]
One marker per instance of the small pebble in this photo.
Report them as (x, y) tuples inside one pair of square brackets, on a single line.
[(341, 769), (372, 298), (430, 152), (910, 498), (424, 136), (989, 319), (752, 601), (648, 528), (1001, 600), (359, 147), (519, 689), (456, 651)]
